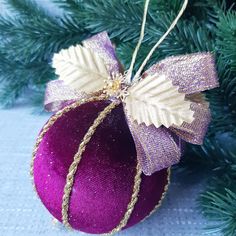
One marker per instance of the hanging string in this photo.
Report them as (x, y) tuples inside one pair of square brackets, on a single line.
[(130, 70), (137, 75)]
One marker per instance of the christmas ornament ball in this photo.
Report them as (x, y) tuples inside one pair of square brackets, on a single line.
[(104, 181)]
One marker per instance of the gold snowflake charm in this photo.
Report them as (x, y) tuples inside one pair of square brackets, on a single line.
[(115, 86)]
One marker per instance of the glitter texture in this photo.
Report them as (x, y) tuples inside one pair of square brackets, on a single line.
[(157, 148), (195, 132), (59, 95), (105, 178), (192, 73)]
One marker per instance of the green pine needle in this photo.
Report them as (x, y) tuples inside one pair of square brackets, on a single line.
[(220, 206)]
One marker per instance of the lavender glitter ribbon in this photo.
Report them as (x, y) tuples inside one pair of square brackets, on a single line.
[(157, 148)]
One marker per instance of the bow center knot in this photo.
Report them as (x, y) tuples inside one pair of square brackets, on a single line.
[(115, 86)]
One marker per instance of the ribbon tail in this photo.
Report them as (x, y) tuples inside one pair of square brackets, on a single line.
[(195, 132), (157, 148)]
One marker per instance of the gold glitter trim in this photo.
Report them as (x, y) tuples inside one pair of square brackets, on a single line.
[(162, 196), (77, 158), (133, 201)]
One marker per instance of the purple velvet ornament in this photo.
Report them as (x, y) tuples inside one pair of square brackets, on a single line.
[(105, 177)]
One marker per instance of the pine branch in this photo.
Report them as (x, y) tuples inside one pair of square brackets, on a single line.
[(29, 38), (122, 22), (16, 77), (124, 52), (71, 7), (26, 9), (187, 37), (38, 39), (225, 43), (226, 40), (220, 206)]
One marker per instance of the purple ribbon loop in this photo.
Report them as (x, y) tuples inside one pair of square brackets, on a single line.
[(192, 73), (157, 148)]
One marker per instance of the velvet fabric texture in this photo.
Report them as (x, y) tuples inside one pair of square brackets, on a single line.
[(105, 177)]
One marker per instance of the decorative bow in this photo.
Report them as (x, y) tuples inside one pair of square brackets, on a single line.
[(163, 107)]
